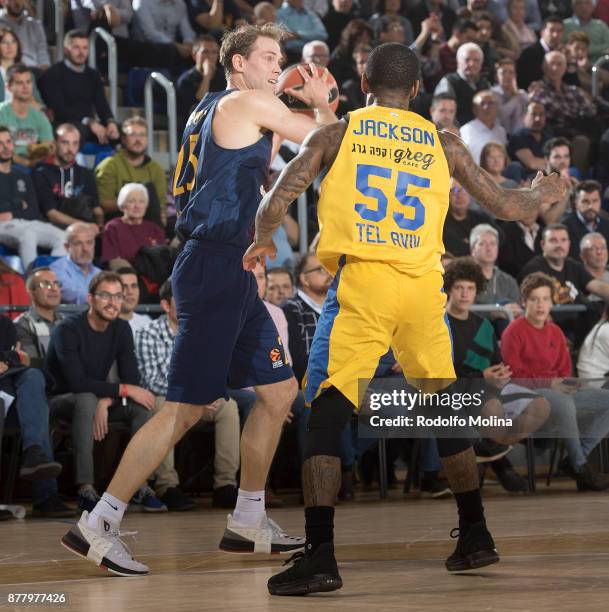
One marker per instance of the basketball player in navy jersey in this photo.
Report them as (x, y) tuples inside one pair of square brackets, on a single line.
[(225, 333)]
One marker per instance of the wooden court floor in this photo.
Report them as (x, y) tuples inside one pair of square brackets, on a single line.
[(554, 547)]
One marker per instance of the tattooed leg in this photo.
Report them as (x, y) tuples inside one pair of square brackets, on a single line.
[(321, 477)]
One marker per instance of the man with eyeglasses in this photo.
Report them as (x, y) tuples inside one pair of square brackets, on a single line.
[(316, 51), (35, 326), (76, 270), (82, 353), (594, 256)]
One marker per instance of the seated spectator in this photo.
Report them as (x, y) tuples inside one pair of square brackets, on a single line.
[(124, 236), (443, 111), (420, 10), (386, 11), (10, 54), (21, 225), (351, 94), (484, 128), (154, 344), (579, 66), (494, 159), (596, 30), (131, 290), (594, 256), (316, 51), (464, 31), (476, 355), (35, 326), (302, 311), (535, 348), (586, 217), (30, 129), (460, 221), (500, 11), (75, 92), (572, 282), (392, 31), (484, 38), (12, 289), (112, 15), (511, 100), (34, 51), (339, 14), (131, 164), (66, 190), (75, 271), (526, 144), (500, 288), (529, 65), (593, 356), (516, 34), (163, 22), (356, 32), (522, 241), (279, 286), (27, 386), (304, 23), (206, 75), (88, 392), (557, 155), (265, 12), (210, 15), (465, 82)]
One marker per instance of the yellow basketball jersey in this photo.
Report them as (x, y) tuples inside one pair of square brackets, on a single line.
[(385, 197)]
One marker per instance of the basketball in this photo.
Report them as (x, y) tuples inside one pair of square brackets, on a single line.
[(291, 78)]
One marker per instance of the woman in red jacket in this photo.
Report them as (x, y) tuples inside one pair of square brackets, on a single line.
[(536, 348)]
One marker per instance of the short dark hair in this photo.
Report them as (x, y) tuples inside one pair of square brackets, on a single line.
[(441, 97), (104, 277), (166, 291), (534, 281), (464, 269), (29, 283), (17, 69), (482, 16), (553, 143), (3, 128), (126, 270), (553, 227), (551, 19), (462, 25), (589, 186), (391, 67), (73, 34), (203, 38), (279, 270), (301, 265), (241, 41)]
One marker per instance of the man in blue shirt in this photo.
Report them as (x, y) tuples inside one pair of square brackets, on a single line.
[(306, 24), (76, 269)]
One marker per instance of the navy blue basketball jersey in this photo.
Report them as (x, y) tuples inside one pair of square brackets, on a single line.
[(217, 191)]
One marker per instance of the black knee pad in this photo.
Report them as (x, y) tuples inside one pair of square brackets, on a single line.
[(447, 447), (330, 413)]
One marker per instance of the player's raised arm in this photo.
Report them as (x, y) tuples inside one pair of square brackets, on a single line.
[(318, 151), (508, 204)]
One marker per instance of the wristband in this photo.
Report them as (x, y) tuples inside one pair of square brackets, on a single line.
[(123, 393)]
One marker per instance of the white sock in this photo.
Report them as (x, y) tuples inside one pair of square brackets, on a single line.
[(250, 507), (109, 507)]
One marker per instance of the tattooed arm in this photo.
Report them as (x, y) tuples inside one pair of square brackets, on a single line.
[(508, 204), (318, 151)]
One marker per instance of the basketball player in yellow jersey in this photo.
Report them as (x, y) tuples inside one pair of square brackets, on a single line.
[(382, 208)]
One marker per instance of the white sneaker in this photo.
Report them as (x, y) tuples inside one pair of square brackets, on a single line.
[(103, 546), (266, 537)]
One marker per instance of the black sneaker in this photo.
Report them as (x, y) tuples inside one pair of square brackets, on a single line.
[(176, 501), (585, 477), (315, 572), (37, 466), (52, 507), (6, 515), (511, 481), (475, 548), (486, 450), (434, 488), (225, 497)]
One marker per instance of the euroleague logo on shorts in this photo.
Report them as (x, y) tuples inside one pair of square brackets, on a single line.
[(275, 356)]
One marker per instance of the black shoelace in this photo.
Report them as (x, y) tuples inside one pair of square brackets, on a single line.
[(295, 558)]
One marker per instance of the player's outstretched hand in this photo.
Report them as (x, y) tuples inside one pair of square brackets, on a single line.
[(315, 92), (257, 252), (553, 188)]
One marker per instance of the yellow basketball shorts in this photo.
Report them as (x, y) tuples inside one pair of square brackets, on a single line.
[(371, 307)]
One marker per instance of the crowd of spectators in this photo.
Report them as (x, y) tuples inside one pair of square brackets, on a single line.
[(514, 79)]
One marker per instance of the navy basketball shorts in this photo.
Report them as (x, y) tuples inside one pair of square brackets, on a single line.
[(226, 336)]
